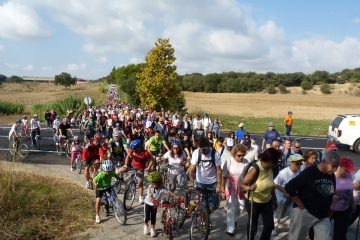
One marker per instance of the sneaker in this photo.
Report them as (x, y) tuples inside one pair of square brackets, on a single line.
[(141, 199), (146, 229), (97, 219), (153, 233), (72, 169), (87, 185), (274, 233)]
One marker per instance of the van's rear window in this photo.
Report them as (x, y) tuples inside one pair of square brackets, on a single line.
[(336, 122)]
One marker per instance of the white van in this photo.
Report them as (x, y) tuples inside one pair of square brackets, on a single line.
[(345, 129)]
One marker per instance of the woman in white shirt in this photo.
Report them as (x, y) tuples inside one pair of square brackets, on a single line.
[(35, 128)]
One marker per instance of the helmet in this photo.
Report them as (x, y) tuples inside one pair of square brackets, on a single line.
[(117, 124), (72, 120), (331, 145), (65, 120), (154, 177), (97, 137), (107, 165), (175, 142), (135, 143), (18, 120), (76, 138), (35, 116), (24, 116)]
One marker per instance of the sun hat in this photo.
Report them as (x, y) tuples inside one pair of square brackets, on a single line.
[(296, 157), (270, 124), (241, 125)]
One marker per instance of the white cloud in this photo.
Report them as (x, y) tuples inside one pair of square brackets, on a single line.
[(46, 68), (102, 59), (357, 20), (29, 67), (1, 47), (134, 60), (11, 65), (75, 67), (20, 22)]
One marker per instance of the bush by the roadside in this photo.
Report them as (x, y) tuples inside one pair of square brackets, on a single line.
[(283, 89), (11, 108), (325, 88), (306, 85), (38, 207), (271, 89)]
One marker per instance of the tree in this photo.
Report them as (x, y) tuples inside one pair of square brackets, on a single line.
[(157, 86), (2, 79), (65, 79), (325, 88)]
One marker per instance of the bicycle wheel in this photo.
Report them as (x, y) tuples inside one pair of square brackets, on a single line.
[(200, 222), (23, 150), (129, 195), (59, 150), (119, 211), (117, 188), (79, 165), (180, 216), (37, 142), (12, 147), (68, 151), (170, 230)]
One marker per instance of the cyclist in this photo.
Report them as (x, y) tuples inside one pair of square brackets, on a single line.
[(118, 149), (139, 157), (154, 144), (63, 127), (75, 150), (14, 131), (35, 128), (104, 151), (56, 124), (103, 179), (89, 155), (25, 123), (90, 123)]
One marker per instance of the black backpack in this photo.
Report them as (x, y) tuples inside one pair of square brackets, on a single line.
[(213, 151), (255, 178)]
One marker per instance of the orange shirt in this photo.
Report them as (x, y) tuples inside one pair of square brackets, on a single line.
[(289, 120)]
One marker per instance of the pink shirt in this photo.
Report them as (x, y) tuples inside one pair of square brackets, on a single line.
[(344, 189)]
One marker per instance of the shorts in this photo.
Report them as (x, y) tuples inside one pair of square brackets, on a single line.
[(155, 153), (100, 193), (89, 161), (140, 175)]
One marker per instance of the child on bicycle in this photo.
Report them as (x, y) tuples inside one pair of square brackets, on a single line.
[(13, 134), (25, 127), (103, 179), (75, 150), (155, 192)]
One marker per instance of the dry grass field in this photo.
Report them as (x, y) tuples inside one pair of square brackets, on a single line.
[(312, 106)]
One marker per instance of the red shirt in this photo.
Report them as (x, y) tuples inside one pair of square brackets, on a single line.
[(139, 159), (90, 151), (102, 150)]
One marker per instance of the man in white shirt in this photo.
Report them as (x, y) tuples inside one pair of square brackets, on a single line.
[(251, 153), (148, 122), (206, 162), (206, 121)]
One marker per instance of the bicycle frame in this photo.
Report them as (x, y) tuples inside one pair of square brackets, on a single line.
[(167, 217), (199, 202)]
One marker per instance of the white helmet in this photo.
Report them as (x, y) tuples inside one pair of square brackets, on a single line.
[(107, 165), (72, 120)]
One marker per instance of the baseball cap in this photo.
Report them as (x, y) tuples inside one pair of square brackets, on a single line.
[(270, 124), (246, 141), (289, 112), (205, 114), (296, 157), (241, 125), (348, 164), (279, 139), (331, 145), (253, 137)]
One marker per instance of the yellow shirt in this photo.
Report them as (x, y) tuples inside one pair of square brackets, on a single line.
[(265, 184)]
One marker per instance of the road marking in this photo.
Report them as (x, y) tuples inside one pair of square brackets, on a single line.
[(29, 138), (32, 150)]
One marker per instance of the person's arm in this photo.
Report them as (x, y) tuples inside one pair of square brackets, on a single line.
[(71, 131), (273, 196), (166, 146), (294, 185), (127, 160), (356, 184), (219, 179), (191, 174), (152, 160), (281, 189), (244, 184), (353, 204), (263, 144)]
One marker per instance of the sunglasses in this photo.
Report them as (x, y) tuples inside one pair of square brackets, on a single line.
[(298, 164), (240, 155), (297, 147)]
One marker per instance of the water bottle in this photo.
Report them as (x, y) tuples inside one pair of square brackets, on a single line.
[(192, 206)]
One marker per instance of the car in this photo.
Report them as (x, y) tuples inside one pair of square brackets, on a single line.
[(345, 130)]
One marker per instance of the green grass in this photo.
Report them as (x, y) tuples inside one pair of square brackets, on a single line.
[(41, 207), (260, 125), (11, 108)]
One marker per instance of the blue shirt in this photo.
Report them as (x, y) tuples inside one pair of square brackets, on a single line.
[(240, 134), (270, 135)]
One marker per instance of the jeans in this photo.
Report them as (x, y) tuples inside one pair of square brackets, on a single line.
[(288, 130), (209, 197), (266, 211), (33, 133)]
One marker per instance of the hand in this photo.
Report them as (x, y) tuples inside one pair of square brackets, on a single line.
[(253, 187), (223, 196), (287, 196), (335, 198), (275, 205), (301, 207), (218, 189), (191, 184)]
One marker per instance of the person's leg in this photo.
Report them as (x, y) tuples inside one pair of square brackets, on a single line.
[(300, 222), (146, 218), (33, 137), (355, 215), (230, 216), (213, 198), (172, 182), (322, 229), (153, 216), (341, 221), (255, 218), (205, 198), (268, 220), (277, 215)]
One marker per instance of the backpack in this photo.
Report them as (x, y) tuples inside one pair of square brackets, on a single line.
[(113, 146), (319, 158), (246, 170), (222, 151), (213, 151)]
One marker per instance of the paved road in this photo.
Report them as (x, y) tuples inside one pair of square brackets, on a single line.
[(47, 159)]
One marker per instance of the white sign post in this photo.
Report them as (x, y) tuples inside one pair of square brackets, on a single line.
[(87, 101)]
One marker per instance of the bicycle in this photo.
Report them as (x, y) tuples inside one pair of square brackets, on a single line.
[(117, 160), (24, 133), (65, 148), (170, 225), (117, 205), (37, 140), (163, 168), (79, 163), (130, 190), (18, 148), (200, 222)]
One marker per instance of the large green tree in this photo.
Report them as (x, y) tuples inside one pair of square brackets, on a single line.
[(65, 80), (157, 85)]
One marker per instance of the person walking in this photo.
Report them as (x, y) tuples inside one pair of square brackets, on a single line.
[(215, 127), (47, 118), (288, 124), (260, 195), (312, 192), (269, 135), (231, 176), (239, 133)]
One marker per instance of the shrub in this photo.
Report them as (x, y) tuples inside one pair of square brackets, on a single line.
[(11, 108), (325, 88), (340, 80), (271, 89), (283, 89), (306, 85)]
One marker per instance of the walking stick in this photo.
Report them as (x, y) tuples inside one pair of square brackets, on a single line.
[(251, 214), (357, 227), (332, 209)]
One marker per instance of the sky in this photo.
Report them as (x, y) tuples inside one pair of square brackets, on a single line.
[(88, 38)]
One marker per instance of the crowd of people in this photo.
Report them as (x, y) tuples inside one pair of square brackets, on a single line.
[(275, 180)]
